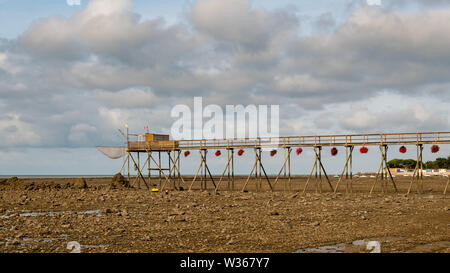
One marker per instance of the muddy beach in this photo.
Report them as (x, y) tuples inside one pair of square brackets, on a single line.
[(45, 214)]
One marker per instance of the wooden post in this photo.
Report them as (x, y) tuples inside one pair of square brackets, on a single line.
[(255, 165), (256, 171), (283, 167), (149, 170), (139, 167), (387, 168), (227, 167), (167, 179), (351, 171), (263, 170), (417, 169), (446, 186), (346, 158), (319, 181), (159, 164), (260, 168), (228, 171), (139, 174), (289, 168), (322, 168), (343, 170), (314, 168), (232, 169)]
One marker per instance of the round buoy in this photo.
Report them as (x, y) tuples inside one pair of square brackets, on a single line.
[(334, 151), (299, 151), (218, 153), (402, 149), (273, 152), (435, 149), (364, 150), (186, 153), (240, 152)]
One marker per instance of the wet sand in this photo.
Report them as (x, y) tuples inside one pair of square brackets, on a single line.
[(48, 215)]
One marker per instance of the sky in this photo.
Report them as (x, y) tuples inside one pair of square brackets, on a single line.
[(71, 75)]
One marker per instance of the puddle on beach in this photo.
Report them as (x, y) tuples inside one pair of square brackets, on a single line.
[(97, 213), (355, 246), (25, 242)]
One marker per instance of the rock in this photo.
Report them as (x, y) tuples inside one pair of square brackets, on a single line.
[(12, 180), (274, 213), (315, 224), (118, 181), (79, 183)]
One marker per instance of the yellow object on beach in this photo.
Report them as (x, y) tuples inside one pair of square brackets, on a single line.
[(155, 190)]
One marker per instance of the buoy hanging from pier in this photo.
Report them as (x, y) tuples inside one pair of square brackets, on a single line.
[(334, 151), (240, 152), (364, 150), (218, 153), (299, 151), (402, 149), (186, 153), (435, 149), (273, 152)]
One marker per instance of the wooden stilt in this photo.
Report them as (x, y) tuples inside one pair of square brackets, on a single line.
[(139, 173), (446, 186), (263, 170), (123, 165), (149, 169), (387, 168), (138, 167), (343, 170), (384, 171), (351, 172), (289, 168), (161, 172), (314, 168), (232, 169), (159, 164), (176, 168), (283, 166), (417, 170), (205, 169), (227, 168), (324, 172), (250, 175), (379, 173)]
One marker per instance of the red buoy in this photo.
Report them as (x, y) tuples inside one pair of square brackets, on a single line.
[(334, 151), (186, 153), (402, 149), (299, 151), (218, 153), (240, 152), (435, 149), (273, 152), (364, 150)]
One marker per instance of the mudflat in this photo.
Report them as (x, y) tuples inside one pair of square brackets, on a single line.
[(108, 215)]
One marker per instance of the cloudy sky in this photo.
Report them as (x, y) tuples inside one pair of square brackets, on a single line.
[(71, 75)]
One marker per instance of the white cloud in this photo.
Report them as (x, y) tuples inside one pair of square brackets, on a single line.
[(73, 81), (16, 132)]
